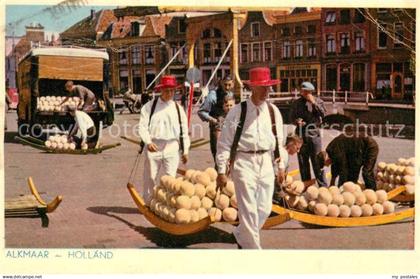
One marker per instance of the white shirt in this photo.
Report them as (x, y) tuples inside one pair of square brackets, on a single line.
[(164, 124), (256, 134), (83, 123)]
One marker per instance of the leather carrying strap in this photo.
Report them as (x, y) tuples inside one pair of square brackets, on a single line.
[(238, 134), (274, 129), (181, 133), (150, 118)]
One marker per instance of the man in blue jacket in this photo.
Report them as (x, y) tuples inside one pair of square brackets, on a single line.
[(212, 109)]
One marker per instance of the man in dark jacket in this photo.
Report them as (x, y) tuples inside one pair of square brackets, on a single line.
[(347, 154), (212, 109), (307, 113)]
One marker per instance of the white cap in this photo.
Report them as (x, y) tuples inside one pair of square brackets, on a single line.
[(307, 86)]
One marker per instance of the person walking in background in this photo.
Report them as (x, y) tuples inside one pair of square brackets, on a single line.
[(307, 113), (212, 108), (228, 104)]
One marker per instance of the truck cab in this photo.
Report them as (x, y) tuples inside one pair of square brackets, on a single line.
[(42, 74)]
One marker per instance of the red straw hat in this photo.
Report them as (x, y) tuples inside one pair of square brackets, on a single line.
[(260, 77), (167, 82)]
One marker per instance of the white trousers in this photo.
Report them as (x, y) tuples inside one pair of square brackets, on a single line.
[(165, 161), (253, 176)]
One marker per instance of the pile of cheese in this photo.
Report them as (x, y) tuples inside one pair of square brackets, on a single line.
[(59, 142), (349, 200), (52, 103), (390, 176), (190, 198)]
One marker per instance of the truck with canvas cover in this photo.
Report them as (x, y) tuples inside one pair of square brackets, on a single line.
[(42, 75)]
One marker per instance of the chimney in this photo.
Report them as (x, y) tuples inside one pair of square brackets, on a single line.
[(35, 32), (92, 14)]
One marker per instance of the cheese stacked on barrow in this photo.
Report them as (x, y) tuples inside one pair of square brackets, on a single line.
[(390, 176), (193, 197), (59, 142), (52, 103), (349, 200)]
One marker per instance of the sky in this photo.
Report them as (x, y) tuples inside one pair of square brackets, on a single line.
[(18, 16)]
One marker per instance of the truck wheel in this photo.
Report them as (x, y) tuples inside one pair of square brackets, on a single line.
[(23, 128), (35, 131)]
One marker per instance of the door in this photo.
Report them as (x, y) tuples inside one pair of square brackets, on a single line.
[(345, 78), (397, 85)]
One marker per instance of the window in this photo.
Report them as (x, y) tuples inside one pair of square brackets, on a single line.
[(255, 29), (286, 50), (311, 29), (359, 41), (299, 49), (149, 55), (399, 34), (217, 33), (174, 48), (217, 51), (150, 76), (123, 57), (123, 79), (359, 15), (206, 34), (331, 77), (268, 51), (298, 30), (184, 53), (330, 44), (207, 53), (182, 26), (345, 43), (135, 28), (227, 57), (382, 37), (136, 55), (330, 19), (345, 16), (285, 31), (244, 53), (137, 86), (256, 52), (311, 48), (383, 67), (359, 77), (398, 67)]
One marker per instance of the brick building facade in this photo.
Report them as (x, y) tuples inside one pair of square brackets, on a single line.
[(256, 43), (298, 49), (392, 52), (345, 50), (335, 48)]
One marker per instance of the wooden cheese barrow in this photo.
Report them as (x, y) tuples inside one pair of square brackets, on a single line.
[(184, 229), (350, 221), (31, 205), (39, 144)]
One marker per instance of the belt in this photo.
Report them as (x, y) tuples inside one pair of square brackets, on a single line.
[(253, 151)]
